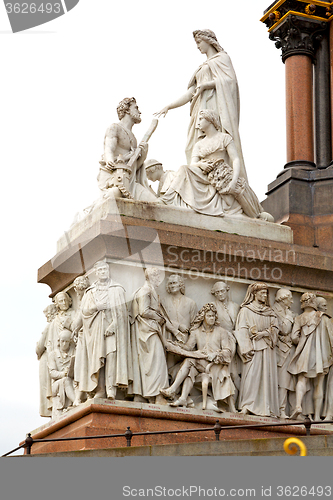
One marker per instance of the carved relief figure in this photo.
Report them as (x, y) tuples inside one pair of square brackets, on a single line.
[(210, 185), (227, 312), (80, 285), (149, 359), (285, 348), (257, 334), (313, 334), (45, 405), (63, 320), (121, 173), (226, 309), (322, 304), (155, 172), (106, 355), (209, 352), (61, 366), (213, 86), (180, 310)]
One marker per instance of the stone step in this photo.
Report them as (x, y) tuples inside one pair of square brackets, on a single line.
[(316, 446)]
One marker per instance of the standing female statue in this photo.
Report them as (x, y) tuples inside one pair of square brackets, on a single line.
[(213, 86)]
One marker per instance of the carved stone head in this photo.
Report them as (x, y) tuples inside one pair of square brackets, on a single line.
[(209, 37), (256, 291), (199, 319), (175, 284), (322, 304), (63, 301), (309, 299), (153, 276), (220, 290), (129, 106), (102, 270)]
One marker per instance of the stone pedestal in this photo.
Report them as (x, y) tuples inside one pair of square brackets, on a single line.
[(132, 236), (101, 417)]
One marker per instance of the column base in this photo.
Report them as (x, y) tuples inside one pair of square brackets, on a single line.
[(303, 200)]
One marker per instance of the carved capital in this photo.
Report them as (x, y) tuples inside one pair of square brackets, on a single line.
[(298, 36)]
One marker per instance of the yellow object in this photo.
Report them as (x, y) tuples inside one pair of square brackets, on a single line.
[(290, 447)]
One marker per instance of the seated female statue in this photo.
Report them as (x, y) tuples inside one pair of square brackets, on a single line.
[(209, 185)]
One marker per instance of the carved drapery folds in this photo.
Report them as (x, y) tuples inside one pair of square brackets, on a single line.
[(238, 353)]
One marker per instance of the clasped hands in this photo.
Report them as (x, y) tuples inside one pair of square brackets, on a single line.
[(259, 335)]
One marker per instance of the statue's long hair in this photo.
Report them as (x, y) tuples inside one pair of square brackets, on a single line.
[(209, 37), (198, 320)]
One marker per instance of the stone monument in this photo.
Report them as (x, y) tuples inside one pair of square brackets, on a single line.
[(138, 351)]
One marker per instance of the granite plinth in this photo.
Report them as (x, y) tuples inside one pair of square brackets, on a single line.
[(101, 417), (304, 200)]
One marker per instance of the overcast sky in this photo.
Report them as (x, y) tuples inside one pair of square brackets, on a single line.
[(60, 86)]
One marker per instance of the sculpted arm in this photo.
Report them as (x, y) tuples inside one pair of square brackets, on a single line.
[(184, 99), (233, 155), (110, 144), (296, 331)]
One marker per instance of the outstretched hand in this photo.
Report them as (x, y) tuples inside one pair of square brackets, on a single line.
[(163, 112)]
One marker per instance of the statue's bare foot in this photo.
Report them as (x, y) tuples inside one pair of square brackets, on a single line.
[(167, 393), (245, 411), (179, 402), (77, 402), (296, 412)]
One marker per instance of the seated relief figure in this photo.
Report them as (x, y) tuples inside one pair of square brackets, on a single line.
[(313, 335), (104, 359), (208, 354), (256, 332), (285, 349), (150, 372), (61, 367), (45, 404), (209, 185), (121, 169)]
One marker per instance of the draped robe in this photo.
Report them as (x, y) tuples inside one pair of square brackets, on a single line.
[(101, 307), (259, 382)]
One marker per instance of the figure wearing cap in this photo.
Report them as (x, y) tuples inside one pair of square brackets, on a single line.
[(155, 172)]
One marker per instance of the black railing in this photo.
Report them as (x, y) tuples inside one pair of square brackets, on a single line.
[(128, 434)]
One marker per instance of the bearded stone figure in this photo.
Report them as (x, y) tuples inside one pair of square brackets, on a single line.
[(121, 172)]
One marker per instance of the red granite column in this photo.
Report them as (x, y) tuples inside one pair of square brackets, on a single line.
[(331, 55), (299, 102)]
